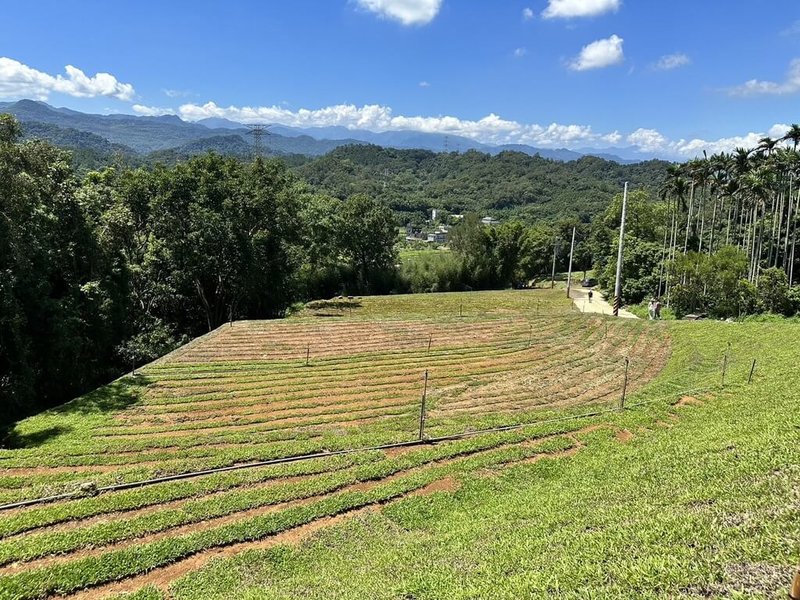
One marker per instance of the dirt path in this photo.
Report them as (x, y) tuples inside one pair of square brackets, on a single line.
[(598, 304)]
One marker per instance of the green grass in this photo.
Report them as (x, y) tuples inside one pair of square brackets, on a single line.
[(455, 305), (707, 507)]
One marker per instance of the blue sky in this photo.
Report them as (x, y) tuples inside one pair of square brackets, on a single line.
[(671, 78)]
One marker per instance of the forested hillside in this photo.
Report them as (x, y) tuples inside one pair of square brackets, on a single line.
[(508, 184)]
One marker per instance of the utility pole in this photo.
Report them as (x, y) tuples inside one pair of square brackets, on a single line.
[(569, 271), (618, 282)]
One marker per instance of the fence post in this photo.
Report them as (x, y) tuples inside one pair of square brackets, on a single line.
[(308, 353), (530, 336), (752, 368), (422, 408), (430, 339), (624, 385), (461, 310), (725, 363)]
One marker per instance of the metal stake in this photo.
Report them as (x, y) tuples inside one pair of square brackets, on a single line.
[(752, 368), (624, 385), (725, 364), (422, 408)]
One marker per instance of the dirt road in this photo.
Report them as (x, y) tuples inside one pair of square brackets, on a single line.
[(580, 296)]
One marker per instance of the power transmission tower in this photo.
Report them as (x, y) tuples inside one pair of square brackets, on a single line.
[(258, 131)]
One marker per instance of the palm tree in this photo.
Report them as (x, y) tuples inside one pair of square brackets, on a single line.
[(766, 145), (793, 134), (674, 191)]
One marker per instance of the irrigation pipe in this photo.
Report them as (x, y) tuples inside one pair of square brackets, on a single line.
[(302, 457)]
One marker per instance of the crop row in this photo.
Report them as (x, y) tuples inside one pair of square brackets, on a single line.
[(36, 545), (66, 577)]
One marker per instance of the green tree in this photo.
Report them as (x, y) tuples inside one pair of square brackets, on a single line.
[(773, 291), (58, 288), (366, 234)]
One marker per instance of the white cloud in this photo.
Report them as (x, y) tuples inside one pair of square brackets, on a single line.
[(18, 80), (520, 52), (407, 12), (778, 130), (756, 87), (672, 61), (151, 111), (424, 84), (695, 147), (527, 14), (647, 140), (491, 129), (177, 93), (567, 9), (599, 54)]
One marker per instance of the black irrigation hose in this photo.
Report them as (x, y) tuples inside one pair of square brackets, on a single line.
[(302, 457)]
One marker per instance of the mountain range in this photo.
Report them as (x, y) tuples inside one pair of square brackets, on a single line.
[(170, 136)]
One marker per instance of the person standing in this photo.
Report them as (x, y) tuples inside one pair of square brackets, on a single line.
[(651, 309), (658, 309)]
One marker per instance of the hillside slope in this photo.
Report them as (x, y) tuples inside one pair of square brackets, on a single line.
[(696, 500)]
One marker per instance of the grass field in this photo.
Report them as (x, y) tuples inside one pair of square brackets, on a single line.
[(481, 516)]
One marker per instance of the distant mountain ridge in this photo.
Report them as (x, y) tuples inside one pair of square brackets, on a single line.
[(144, 135)]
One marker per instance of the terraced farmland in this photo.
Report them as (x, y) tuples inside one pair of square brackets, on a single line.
[(255, 391)]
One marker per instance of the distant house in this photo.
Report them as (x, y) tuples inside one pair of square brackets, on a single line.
[(439, 236), (414, 233), (490, 221)]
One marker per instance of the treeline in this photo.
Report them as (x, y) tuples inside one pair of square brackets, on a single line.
[(118, 267), (509, 185), (721, 241), (511, 254)]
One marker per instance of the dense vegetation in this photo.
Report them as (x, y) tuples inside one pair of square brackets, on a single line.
[(122, 265), (721, 240), (508, 184)]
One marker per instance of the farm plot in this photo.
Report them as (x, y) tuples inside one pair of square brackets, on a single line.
[(255, 391)]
